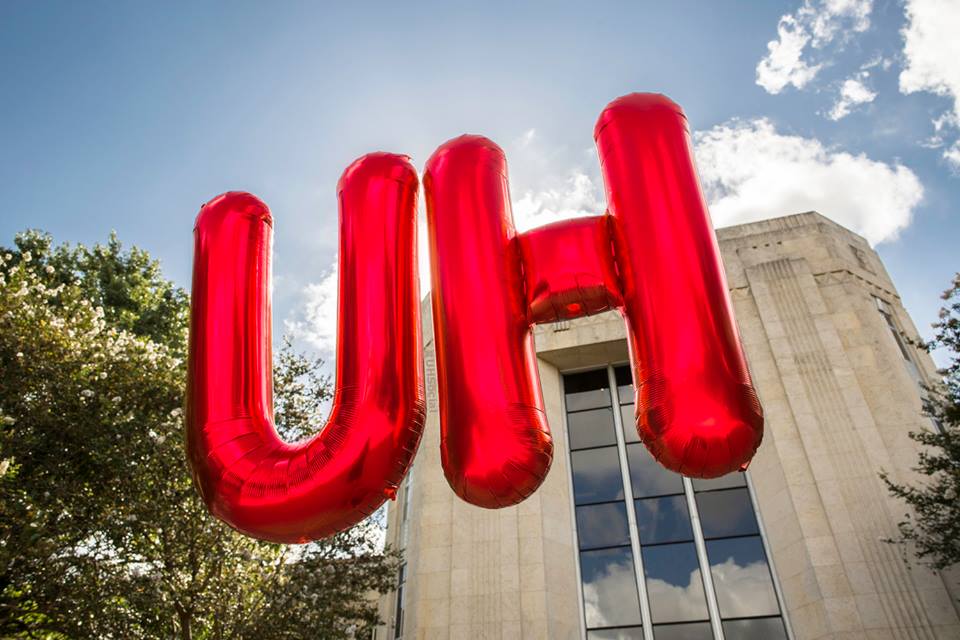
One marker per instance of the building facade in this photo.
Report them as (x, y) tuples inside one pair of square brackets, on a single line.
[(612, 546)]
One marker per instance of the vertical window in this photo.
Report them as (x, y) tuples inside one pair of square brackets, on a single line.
[(405, 510), (908, 356), (746, 598), (611, 601), (665, 588), (887, 312), (398, 617), (404, 534)]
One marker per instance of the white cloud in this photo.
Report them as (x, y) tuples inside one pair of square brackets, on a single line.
[(877, 61), (527, 138), (942, 125), (809, 38), (577, 195), (743, 590), (550, 183), (952, 155), (853, 92), (829, 17), (945, 121), (751, 172), (610, 597), (315, 322), (784, 64), (931, 48), (677, 601), (805, 34)]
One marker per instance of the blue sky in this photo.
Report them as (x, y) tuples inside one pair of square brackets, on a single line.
[(128, 116)]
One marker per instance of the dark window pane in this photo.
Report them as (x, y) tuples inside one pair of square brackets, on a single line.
[(726, 513), (398, 614), (624, 383), (663, 520), (587, 390), (756, 629), (674, 584), (648, 477), (602, 525), (741, 577), (596, 475), (695, 631), (735, 479), (629, 424), (609, 588), (631, 633), (591, 428)]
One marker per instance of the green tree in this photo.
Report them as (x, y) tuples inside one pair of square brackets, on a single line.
[(102, 534), (932, 528)]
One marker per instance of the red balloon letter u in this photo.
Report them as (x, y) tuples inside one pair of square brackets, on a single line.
[(246, 474)]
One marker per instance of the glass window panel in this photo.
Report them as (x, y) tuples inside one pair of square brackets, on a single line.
[(741, 577), (648, 477), (695, 631), (587, 390), (726, 513), (755, 629), (624, 383), (602, 525), (674, 584), (609, 588), (596, 475), (591, 428), (663, 520), (629, 424), (398, 616), (735, 479), (632, 633)]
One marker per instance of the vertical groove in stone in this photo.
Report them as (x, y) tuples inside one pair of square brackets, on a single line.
[(831, 440)]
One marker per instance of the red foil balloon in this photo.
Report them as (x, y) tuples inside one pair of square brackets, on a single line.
[(246, 474), (697, 410), (653, 256), (569, 270), (495, 445)]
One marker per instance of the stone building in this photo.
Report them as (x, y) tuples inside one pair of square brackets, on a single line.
[(613, 546)]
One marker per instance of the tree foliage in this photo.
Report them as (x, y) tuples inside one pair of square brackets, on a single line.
[(102, 534), (933, 527)]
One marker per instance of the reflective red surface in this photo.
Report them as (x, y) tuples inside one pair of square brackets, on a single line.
[(697, 410), (494, 442), (246, 474), (653, 256), (569, 269)]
